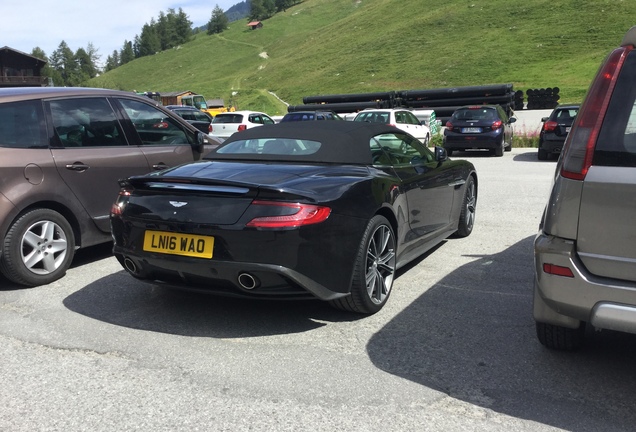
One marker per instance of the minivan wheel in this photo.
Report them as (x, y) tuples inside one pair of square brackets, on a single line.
[(560, 338), (38, 248)]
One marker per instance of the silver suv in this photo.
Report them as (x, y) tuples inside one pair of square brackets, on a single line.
[(62, 152), (585, 252)]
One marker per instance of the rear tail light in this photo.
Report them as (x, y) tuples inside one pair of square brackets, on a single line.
[(292, 215), (210, 128), (118, 206), (449, 126), (549, 126), (557, 270), (496, 124), (579, 145), (391, 124), (160, 125), (242, 127)]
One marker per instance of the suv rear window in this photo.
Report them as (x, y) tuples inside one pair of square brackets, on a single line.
[(22, 125), (616, 145)]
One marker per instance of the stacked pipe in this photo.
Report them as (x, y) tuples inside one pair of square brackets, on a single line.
[(444, 101), (546, 98)]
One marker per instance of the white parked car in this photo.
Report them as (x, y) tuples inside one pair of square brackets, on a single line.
[(403, 119), (225, 124)]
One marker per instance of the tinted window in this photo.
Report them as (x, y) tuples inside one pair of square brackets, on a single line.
[(373, 117), (616, 145), (22, 125), (271, 146), (154, 127), (398, 149), (86, 122), (228, 118), (475, 114)]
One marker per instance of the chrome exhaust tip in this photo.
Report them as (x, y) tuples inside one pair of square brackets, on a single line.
[(247, 281), (130, 266)]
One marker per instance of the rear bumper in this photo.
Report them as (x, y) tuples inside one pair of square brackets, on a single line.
[(232, 279), (566, 301), (552, 143), (459, 141)]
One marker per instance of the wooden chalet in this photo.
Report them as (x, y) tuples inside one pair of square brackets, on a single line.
[(255, 25), (18, 69)]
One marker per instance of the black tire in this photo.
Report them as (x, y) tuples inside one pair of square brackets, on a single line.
[(509, 148), (38, 248), (469, 205), (542, 154), (560, 338), (499, 150), (449, 152), (374, 269)]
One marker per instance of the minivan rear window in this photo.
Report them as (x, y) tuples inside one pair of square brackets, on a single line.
[(22, 125), (616, 144)]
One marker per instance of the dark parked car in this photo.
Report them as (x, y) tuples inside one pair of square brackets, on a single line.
[(479, 127), (310, 116), (194, 116), (585, 252), (293, 211), (62, 152), (555, 129)]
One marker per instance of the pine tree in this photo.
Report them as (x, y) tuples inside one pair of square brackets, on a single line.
[(218, 22)]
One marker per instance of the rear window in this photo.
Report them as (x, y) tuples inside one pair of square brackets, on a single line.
[(374, 117), (228, 118), (22, 125), (271, 146), (616, 145), (475, 114)]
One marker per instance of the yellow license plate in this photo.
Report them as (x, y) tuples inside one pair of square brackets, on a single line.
[(179, 244)]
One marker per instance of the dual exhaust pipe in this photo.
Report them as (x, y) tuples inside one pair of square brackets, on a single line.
[(245, 280)]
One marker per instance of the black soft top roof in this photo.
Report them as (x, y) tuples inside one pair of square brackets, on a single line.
[(342, 142)]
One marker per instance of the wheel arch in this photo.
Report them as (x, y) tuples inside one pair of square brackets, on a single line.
[(51, 205)]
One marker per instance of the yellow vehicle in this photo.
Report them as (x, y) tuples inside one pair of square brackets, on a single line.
[(198, 101)]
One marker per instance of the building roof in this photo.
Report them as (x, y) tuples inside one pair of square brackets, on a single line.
[(6, 49)]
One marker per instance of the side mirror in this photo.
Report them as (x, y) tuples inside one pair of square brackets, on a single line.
[(202, 140), (512, 119), (440, 154), (544, 119)]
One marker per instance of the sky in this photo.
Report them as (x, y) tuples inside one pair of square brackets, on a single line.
[(26, 24)]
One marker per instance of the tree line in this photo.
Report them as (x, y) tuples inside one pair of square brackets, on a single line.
[(170, 29)]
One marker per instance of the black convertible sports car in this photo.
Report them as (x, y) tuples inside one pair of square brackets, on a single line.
[(295, 210)]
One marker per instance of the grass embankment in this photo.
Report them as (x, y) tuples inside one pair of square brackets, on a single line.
[(357, 46)]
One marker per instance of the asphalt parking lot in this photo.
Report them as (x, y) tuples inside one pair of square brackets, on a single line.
[(453, 350)]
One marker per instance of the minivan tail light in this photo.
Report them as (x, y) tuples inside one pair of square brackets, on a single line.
[(579, 145), (242, 127), (557, 270), (549, 126), (294, 215)]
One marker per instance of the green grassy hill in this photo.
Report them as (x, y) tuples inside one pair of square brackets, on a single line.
[(354, 46)]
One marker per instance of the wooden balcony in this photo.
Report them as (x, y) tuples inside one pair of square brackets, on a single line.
[(23, 81)]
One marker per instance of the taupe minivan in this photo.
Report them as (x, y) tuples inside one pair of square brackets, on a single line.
[(585, 252), (62, 152)]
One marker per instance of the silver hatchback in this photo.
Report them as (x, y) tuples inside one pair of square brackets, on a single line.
[(585, 252)]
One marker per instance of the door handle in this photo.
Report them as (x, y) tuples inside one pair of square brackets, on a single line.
[(160, 166), (77, 166)]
